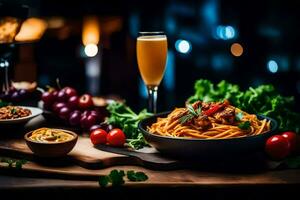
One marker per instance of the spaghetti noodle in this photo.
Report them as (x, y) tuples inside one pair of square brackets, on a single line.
[(209, 121)]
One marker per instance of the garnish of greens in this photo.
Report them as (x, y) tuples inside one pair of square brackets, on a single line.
[(244, 125), (13, 111), (264, 99), (123, 117), (116, 177), (3, 103), (239, 116), (13, 163), (191, 113)]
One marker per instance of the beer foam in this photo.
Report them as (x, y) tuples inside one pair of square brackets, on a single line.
[(152, 37)]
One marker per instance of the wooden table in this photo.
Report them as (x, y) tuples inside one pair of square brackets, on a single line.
[(181, 183)]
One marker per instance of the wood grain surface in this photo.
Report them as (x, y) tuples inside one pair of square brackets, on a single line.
[(217, 175), (173, 177)]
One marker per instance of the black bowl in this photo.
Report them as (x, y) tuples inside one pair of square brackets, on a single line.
[(205, 148)]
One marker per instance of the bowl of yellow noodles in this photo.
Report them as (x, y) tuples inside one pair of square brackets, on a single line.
[(206, 130)]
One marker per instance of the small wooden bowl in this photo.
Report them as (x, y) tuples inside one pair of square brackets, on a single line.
[(55, 149)]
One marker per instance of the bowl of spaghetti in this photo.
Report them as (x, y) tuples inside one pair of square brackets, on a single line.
[(207, 129)]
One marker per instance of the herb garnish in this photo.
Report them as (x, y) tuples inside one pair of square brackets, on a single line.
[(13, 162), (123, 117), (244, 125), (191, 113), (3, 103), (239, 116), (13, 111), (136, 176), (116, 177)]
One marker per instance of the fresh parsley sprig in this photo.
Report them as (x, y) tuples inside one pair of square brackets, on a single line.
[(116, 177), (136, 176), (14, 163), (244, 125)]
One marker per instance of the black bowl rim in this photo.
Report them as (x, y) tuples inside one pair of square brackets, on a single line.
[(75, 137), (140, 126)]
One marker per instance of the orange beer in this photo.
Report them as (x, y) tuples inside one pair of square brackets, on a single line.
[(151, 57)]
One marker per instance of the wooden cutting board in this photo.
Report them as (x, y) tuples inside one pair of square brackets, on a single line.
[(86, 155)]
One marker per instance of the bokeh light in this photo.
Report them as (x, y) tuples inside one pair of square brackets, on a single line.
[(183, 46), (91, 50), (225, 32), (272, 66), (236, 49)]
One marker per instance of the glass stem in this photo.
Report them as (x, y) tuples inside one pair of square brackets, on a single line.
[(4, 76), (152, 98)]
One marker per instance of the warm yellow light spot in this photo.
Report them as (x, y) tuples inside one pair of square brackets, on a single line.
[(236, 49), (56, 22), (31, 29), (90, 31)]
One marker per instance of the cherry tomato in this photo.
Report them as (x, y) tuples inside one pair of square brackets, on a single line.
[(116, 137), (277, 147), (292, 138), (98, 136)]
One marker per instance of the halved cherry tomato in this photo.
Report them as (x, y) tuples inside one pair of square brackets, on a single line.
[(116, 137), (292, 138), (277, 147), (98, 136)]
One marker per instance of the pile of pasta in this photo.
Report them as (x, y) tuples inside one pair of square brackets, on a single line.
[(171, 126)]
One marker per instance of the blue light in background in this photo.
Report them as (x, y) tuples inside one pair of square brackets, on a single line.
[(209, 12), (191, 35), (272, 66), (170, 24), (169, 77), (229, 32), (257, 81), (222, 63), (142, 89), (183, 46), (225, 32), (269, 31), (134, 25)]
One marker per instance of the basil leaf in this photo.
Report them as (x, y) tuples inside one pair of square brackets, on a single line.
[(117, 177), (103, 181), (244, 125), (136, 176)]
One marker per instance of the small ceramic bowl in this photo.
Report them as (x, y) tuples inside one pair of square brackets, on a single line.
[(55, 149)]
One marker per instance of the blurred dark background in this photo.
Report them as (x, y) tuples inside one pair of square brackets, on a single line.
[(245, 42)]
